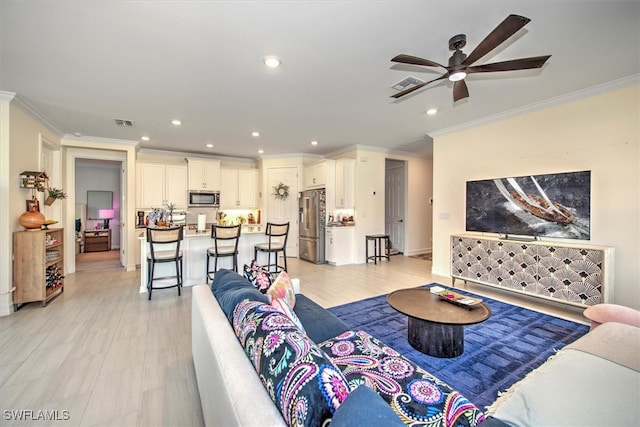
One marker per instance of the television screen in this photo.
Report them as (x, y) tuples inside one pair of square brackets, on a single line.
[(552, 205)]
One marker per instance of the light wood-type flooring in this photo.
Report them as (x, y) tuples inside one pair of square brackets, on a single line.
[(108, 356)]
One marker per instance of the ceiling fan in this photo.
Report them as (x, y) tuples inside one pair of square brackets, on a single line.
[(460, 65)]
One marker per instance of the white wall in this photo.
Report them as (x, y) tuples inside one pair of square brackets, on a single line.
[(370, 209), (600, 133)]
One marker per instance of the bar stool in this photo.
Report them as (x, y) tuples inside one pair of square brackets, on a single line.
[(164, 245), (277, 242), (378, 241), (221, 234)]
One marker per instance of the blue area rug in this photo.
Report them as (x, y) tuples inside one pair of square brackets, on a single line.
[(497, 352)]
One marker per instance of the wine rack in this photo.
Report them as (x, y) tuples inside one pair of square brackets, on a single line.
[(38, 266)]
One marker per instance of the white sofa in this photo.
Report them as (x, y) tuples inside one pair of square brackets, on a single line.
[(594, 381), (220, 361)]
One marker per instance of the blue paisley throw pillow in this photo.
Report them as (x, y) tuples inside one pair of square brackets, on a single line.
[(301, 380), (417, 397)]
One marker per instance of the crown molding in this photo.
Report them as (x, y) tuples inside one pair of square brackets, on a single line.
[(7, 96), (547, 103), (291, 155), (195, 155), (80, 141), (21, 102)]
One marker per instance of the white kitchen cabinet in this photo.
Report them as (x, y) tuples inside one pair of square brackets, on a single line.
[(159, 184), (339, 245), (204, 174), (345, 183), (315, 175), (238, 188)]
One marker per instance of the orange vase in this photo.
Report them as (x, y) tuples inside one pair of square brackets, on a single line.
[(32, 219)]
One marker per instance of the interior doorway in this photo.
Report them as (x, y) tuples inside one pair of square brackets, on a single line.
[(98, 191), (394, 203)]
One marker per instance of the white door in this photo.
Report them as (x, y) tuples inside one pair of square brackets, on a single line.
[(281, 211), (394, 203)]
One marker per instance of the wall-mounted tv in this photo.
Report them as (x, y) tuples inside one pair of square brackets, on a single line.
[(551, 205)]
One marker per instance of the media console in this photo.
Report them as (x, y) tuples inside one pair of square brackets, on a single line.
[(574, 274)]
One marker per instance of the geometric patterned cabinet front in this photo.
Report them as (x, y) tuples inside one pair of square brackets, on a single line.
[(578, 275)]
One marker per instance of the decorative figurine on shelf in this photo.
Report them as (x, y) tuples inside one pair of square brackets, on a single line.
[(251, 219)]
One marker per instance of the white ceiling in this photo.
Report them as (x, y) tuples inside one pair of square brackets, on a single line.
[(84, 64)]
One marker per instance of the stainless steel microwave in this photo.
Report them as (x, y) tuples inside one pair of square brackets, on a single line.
[(204, 199)]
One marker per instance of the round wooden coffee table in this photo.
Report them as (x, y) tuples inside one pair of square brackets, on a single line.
[(436, 327)]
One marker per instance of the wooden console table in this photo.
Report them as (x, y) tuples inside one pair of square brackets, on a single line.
[(97, 240)]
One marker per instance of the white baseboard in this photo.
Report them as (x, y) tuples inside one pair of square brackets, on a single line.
[(418, 252)]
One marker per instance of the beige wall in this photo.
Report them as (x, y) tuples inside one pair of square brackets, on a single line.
[(370, 209), (24, 135), (600, 133)]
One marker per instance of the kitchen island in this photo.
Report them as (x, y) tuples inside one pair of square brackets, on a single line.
[(194, 252)]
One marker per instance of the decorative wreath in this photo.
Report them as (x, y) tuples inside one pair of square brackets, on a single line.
[(281, 191)]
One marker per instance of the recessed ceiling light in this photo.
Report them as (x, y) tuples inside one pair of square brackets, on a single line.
[(271, 61), (144, 138), (209, 145), (78, 134), (314, 142), (255, 133), (176, 122), (260, 151), (432, 111)]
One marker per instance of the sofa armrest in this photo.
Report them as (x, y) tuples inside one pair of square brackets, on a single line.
[(595, 371), (231, 393)]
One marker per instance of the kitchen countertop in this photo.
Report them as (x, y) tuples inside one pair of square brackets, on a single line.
[(246, 229)]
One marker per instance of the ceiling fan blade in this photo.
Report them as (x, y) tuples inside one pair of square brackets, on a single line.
[(416, 87), (502, 32), (460, 90), (513, 65), (414, 60)]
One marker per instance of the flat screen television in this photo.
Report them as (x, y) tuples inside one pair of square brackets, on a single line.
[(551, 205)]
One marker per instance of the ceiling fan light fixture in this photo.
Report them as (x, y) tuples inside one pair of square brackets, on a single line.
[(457, 76)]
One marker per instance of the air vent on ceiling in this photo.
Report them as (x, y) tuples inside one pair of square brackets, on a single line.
[(124, 123), (407, 83)]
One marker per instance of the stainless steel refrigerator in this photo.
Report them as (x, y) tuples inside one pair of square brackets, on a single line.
[(312, 222)]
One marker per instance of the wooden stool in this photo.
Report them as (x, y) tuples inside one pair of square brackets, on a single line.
[(378, 240)]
